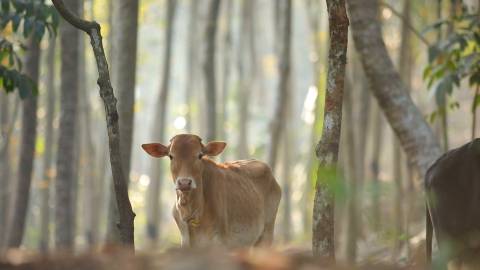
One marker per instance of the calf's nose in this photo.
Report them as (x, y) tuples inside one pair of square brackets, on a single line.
[(184, 184)]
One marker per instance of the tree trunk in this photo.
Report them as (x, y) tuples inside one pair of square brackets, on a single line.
[(192, 61), (352, 169), (377, 140), (416, 137), (159, 130), (126, 214), (404, 70), (209, 68), (48, 169), (286, 175), (246, 74), (284, 56), (16, 221), (5, 173), (69, 40), (323, 240), (124, 55), (227, 59)]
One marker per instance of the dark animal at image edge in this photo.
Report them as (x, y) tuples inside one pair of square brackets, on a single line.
[(231, 204), (452, 186)]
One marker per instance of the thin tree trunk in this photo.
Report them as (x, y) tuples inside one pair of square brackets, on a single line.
[(246, 73), (284, 55), (192, 61), (69, 40), (415, 135), (4, 163), (352, 169), (48, 168), (286, 175), (159, 130), (209, 68), (127, 216), (227, 59), (377, 144), (323, 240), (124, 55), (16, 221)]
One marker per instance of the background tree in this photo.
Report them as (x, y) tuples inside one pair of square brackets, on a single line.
[(16, 222), (209, 68), (159, 128), (123, 62)]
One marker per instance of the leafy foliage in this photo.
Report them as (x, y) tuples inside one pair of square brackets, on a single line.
[(24, 19), (453, 59)]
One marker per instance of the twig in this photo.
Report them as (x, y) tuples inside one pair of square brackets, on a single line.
[(400, 16), (92, 28)]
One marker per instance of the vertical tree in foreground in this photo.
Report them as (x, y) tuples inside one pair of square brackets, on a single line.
[(284, 53), (209, 68), (323, 240), (126, 214), (48, 169), (159, 129), (124, 56), (16, 221), (69, 40)]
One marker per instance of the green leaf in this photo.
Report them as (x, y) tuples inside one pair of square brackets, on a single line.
[(5, 6), (39, 31), (443, 88), (27, 27)]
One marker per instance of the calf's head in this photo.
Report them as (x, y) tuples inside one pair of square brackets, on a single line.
[(187, 165)]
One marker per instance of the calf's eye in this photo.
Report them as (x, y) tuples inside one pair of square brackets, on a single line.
[(200, 156)]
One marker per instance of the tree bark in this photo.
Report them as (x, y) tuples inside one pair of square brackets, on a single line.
[(124, 55), (209, 68), (159, 129), (416, 137), (126, 214), (323, 240), (377, 139), (48, 168), (284, 55), (16, 221)]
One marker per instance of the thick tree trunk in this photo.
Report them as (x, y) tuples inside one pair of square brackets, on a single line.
[(69, 40), (124, 55), (323, 240), (192, 61), (48, 168), (284, 55), (209, 68), (126, 214), (16, 221), (159, 130), (416, 137)]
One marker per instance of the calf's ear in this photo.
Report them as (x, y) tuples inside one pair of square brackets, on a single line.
[(155, 149), (214, 148)]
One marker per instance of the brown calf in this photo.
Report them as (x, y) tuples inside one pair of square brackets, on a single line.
[(231, 204)]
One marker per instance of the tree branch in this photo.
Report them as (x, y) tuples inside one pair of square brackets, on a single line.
[(92, 28), (409, 26)]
